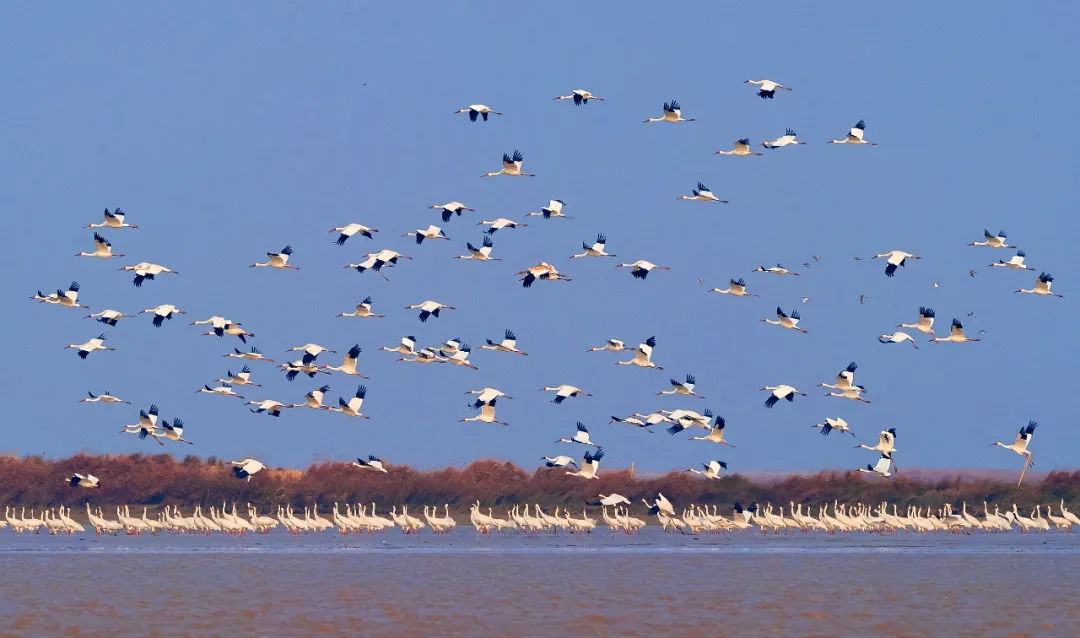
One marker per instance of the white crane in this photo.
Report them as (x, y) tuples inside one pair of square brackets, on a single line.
[(768, 88), (353, 405), (371, 262), (640, 269), (781, 392), (104, 397), (608, 500), (269, 406), (789, 321), (429, 309), (672, 113), (508, 344), (459, 357), (579, 96), (223, 390), (215, 322), (383, 257), (68, 298), (146, 426), (511, 166), (925, 324), (581, 436), (278, 260), (1016, 262), (613, 345), (563, 392), (450, 209), (450, 346), (372, 463), (427, 355), (363, 310), (487, 414), (884, 467), (680, 419), (589, 465), (78, 480), (684, 388), (475, 110), (898, 337), (742, 149), (431, 232), (595, 250), (894, 259), (837, 424), (232, 329), (163, 312), (956, 334), (107, 317), (499, 224), (114, 219), (845, 380), (712, 469), (406, 346), (313, 399), (787, 139), (147, 271), (93, 345), (552, 210), (1042, 286), (716, 433), (486, 395), (634, 421), (542, 271), (854, 395), (886, 442), (1020, 445), (242, 378), (736, 288), (660, 504), (559, 461), (480, 254), (642, 356), (854, 136), (348, 364), (251, 355), (246, 468), (102, 249), (776, 270), (349, 230), (174, 431), (993, 241), (703, 194)]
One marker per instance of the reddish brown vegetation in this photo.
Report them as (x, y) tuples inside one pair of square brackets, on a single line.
[(140, 479)]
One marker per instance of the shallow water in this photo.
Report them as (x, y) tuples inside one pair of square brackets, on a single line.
[(466, 584)]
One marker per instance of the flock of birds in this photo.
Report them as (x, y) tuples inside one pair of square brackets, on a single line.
[(456, 352), (694, 519)]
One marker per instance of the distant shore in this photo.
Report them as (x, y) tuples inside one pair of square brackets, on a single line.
[(156, 480)]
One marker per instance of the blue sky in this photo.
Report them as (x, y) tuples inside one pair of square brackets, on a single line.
[(229, 130)]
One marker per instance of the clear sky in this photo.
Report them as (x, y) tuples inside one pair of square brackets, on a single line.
[(226, 130)]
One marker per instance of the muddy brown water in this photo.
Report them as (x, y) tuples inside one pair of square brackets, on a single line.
[(596, 585)]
